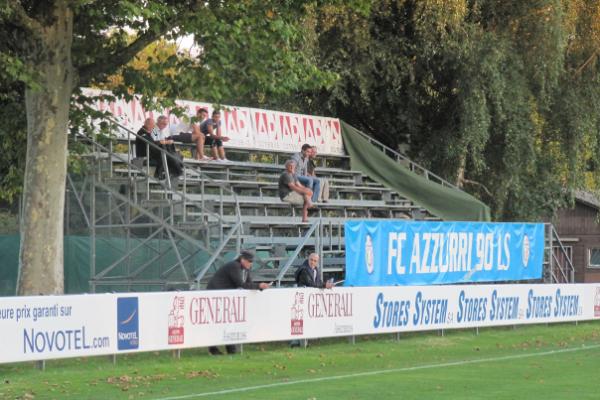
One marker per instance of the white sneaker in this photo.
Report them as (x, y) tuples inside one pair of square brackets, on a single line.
[(226, 160)]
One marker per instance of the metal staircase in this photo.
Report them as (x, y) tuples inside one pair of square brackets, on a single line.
[(145, 234), (558, 266)]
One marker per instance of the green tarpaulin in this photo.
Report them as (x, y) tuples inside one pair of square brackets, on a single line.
[(444, 202), (77, 253)]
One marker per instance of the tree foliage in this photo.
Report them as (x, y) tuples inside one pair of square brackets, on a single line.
[(53, 48), (502, 97), (250, 50)]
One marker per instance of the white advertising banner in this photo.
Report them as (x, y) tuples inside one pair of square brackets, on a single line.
[(247, 128), (46, 327)]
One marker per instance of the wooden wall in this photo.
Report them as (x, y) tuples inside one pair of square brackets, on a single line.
[(580, 222)]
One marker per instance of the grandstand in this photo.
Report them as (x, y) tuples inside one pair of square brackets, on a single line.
[(142, 233)]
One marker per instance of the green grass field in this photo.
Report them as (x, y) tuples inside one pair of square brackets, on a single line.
[(536, 362)]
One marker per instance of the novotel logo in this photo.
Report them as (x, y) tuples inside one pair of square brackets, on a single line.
[(128, 326)]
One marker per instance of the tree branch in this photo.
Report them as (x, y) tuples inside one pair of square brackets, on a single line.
[(477, 184), (119, 57), (23, 20), (586, 63), (123, 55)]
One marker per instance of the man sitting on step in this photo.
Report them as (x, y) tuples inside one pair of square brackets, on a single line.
[(193, 134), (145, 140), (311, 182), (291, 191), (161, 137)]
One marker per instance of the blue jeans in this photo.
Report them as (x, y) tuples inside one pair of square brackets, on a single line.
[(313, 184)]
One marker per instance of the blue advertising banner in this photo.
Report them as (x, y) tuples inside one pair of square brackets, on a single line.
[(388, 253)]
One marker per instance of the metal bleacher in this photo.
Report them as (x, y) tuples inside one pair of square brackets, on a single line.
[(156, 234), (172, 233)]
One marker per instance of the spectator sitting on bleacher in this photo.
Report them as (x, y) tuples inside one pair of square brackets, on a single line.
[(211, 128), (143, 139), (310, 182), (160, 137), (291, 191), (193, 134), (324, 192)]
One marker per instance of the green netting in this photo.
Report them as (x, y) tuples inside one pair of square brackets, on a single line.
[(9, 249), (157, 255), (77, 261), (444, 202)]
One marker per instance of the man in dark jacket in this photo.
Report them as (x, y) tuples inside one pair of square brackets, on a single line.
[(308, 274), (234, 275), (143, 139)]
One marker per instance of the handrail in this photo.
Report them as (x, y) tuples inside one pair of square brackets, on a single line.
[(135, 168), (165, 153), (571, 268), (193, 171), (413, 165), (290, 260), (200, 274)]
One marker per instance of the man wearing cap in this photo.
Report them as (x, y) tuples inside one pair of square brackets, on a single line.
[(234, 275)]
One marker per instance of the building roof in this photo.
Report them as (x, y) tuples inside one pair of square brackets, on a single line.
[(587, 198)]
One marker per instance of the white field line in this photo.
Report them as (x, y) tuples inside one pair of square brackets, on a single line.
[(380, 372)]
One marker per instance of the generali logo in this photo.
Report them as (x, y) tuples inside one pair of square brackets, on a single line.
[(597, 303), (176, 320), (297, 315)]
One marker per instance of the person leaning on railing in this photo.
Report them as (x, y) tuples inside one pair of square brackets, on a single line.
[(308, 274), (234, 275)]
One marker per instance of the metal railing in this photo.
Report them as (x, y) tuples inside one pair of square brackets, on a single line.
[(170, 193), (559, 271), (307, 235), (413, 166), (186, 171), (199, 274)]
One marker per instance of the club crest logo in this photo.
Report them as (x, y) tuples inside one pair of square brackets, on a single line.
[(297, 315), (526, 250), (369, 254), (176, 321)]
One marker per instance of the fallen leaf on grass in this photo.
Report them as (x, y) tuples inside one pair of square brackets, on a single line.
[(204, 373)]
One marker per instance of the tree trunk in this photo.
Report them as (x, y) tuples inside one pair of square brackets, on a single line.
[(41, 266)]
